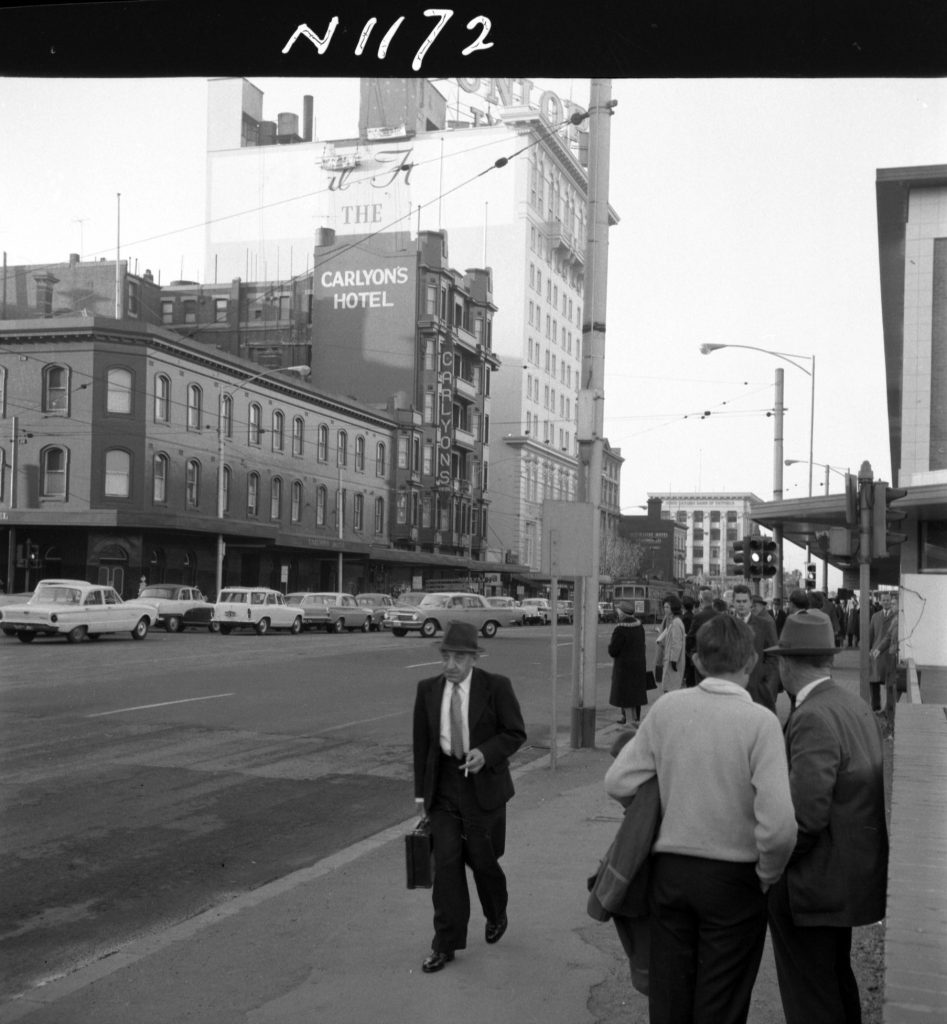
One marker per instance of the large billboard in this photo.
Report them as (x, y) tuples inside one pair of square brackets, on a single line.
[(364, 317)]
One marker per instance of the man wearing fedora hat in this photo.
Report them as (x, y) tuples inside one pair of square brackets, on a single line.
[(467, 725), (837, 876)]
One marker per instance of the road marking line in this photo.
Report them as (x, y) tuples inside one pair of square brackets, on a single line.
[(365, 721), (164, 704)]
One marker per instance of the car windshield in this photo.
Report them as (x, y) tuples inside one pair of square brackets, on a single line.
[(413, 599), (435, 601), (56, 595), (500, 602), (161, 592)]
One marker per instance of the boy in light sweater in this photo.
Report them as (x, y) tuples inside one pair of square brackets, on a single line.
[(727, 830)]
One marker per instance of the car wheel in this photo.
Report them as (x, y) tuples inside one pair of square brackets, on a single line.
[(489, 629), (173, 624), (338, 626), (76, 634), (263, 627), (26, 638), (141, 629), (213, 627), (429, 628), (225, 630), (297, 626), (396, 632), (366, 626)]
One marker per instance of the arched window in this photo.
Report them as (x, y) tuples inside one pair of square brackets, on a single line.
[(296, 502), (254, 424), (381, 459), (118, 399), (321, 498), (162, 398), (277, 430), (276, 498), (118, 465), (322, 443), (195, 407), (297, 435), (226, 415), (54, 471), (358, 512), (253, 494), (192, 483), (342, 449), (360, 454), (56, 390), (159, 486), (227, 484), (379, 515)]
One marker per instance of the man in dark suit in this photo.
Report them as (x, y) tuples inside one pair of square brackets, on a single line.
[(704, 613), (467, 724), (837, 876), (764, 683), (778, 612)]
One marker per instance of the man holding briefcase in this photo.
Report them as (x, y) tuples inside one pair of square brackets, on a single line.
[(467, 724)]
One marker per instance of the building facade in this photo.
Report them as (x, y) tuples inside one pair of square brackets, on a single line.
[(508, 184)]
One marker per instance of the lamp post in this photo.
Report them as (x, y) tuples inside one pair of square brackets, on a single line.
[(302, 371), (787, 357), (827, 468)]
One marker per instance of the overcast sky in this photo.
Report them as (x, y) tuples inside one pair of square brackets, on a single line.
[(747, 217)]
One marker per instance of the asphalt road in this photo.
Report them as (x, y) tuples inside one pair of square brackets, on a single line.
[(144, 782)]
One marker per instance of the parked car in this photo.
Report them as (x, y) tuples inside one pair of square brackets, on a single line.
[(334, 612), (379, 604), (429, 613), (508, 606), (179, 606), (564, 611), (607, 612), (258, 608), (536, 609), (76, 610)]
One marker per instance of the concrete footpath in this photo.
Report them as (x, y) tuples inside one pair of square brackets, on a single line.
[(341, 942)]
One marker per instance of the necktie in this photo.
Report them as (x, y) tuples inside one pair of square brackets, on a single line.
[(456, 722)]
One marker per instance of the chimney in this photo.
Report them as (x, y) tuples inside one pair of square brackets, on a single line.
[(44, 292), (307, 119), (654, 508), (73, 259)]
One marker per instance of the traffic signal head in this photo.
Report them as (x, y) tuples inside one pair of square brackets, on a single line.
[(810, 576), (883, 518), (851, 501), (740, 556), (754, 558), (770, 557)]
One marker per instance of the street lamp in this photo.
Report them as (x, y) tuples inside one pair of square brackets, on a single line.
[(303, 371), (786, 357)]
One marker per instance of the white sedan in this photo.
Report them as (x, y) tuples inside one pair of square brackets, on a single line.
[(76, 610), (428, 613), (257, 608)]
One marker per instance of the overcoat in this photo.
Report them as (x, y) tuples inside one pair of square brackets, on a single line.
[(496, 730), (630, 667)]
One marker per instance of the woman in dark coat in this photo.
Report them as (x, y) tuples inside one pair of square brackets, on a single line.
[(629, 669)]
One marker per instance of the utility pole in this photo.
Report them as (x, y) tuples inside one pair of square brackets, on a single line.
[(591, 401), (778, 478), (865, 492)]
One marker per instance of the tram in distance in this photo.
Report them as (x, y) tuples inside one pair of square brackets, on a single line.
[(645, 596)]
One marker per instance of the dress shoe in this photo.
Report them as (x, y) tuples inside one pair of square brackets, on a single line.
[(436, 962), (494, 932)]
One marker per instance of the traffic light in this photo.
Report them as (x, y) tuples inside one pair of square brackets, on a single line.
[(32, 553), (740, 553), (770, 557), (883, 518), (754, 558), (851, 501), (810, 576)]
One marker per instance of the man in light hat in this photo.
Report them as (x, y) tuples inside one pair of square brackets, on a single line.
[(837, 876), (467, 724)]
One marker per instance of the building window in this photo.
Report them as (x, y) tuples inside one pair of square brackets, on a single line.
[(296, 502), (401, 512), (381, 459), (358, 512), (3, 473), (162, 399), (428, 406), (360, 454), (56, 390), (428, 465), (276, 430), (190, 311), (167, 311), (276, 498), (297, 435), (226, 416), (53, 472), (117, 473), (192, 484), (253, 494), (254, 424), (379, 515), (131, 302), (342, 449), (226, 486), (119, 395), (321, 498), (430, 299), (159, 486), (220, 311), (403, 451), (322, 444), (195, 404), (427, 510)]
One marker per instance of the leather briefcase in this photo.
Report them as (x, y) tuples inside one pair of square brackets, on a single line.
[(419, 865)]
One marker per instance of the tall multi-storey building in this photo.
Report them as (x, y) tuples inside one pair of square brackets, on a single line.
[(505, 178)]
